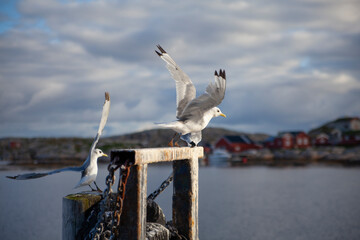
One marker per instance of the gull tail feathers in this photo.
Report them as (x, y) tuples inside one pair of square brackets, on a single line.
[(163, 125), (79, 185), (176, 126), (85, 180), (167, 125)]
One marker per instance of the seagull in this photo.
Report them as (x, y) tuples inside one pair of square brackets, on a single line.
[(193, 113), (89, 169)]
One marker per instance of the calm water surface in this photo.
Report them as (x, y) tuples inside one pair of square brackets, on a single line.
[(235, 203)]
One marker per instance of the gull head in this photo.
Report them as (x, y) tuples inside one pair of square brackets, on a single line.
[(217, 112), (98, 153)]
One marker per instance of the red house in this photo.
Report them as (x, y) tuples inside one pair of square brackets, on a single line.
[(342, 131), (14, 145), (350, 138), (236, 144), (289, 140), (321, 139)]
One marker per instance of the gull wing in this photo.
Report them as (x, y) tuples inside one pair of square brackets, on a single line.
[(185, 89), (104, 117), (213, 96), (105, 113), (27, 176)]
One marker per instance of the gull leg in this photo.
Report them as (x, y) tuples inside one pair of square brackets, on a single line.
[(97, 188), (176, 143), (171, 143), (91, 188)]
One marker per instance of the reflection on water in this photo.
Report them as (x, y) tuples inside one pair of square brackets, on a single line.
[(235, 203)]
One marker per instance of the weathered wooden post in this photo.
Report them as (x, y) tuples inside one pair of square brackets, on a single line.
[(185, 198), (75, 212), (133, 219)]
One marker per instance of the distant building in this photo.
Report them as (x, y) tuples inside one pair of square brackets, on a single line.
[(335, 136), (342, 131), (350, 138), (321, 139), (236, 144), (345, 124), (289, 140), (14, 145)]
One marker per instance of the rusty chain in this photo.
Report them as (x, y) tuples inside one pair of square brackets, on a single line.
[(110, 206), (162, 187), (100, 226), (125, 172)]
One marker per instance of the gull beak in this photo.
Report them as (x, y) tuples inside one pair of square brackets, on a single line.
[(223, 115), (105, 155)]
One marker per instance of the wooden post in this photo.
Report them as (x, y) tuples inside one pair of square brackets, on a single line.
[(133, 218), (76, 208), (185, 197), (154, 155)]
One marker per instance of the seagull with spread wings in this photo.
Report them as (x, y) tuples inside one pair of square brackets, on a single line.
[(89, 169), (193, 113)]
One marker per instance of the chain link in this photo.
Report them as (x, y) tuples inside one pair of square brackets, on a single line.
[(174, 233), (99, 228), (125, 172), (108, 218), (162, 187), (111, 205)]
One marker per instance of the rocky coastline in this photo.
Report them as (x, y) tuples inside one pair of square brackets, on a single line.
[(330, 155), (51, 152)]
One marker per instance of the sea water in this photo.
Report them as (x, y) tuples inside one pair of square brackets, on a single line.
[(314, 202)]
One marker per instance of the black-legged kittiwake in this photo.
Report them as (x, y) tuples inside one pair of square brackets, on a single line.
[(89, 169), (193, 113)]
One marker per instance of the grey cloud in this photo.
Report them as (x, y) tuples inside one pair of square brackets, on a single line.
[(290, 64)]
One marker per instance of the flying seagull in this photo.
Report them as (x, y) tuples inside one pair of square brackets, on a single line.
[(89, 169), (193, 113)]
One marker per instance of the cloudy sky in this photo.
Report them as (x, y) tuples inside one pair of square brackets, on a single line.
[(291, 65)]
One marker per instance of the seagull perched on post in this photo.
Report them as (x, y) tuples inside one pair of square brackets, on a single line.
[(193, 113), (89, 169)]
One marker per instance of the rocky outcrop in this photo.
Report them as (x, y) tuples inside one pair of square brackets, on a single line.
[(320, 153)]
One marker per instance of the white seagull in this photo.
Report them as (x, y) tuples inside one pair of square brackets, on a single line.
[(89, 169), (193, 114)]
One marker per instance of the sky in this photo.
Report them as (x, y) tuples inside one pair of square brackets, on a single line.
[(290, 65)]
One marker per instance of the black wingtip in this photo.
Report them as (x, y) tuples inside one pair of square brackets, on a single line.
[(11, 177), (158, 53), (160, 48), (107, 96), (221, 74)]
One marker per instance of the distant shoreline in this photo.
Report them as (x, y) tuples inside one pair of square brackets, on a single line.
[(250, 163)]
